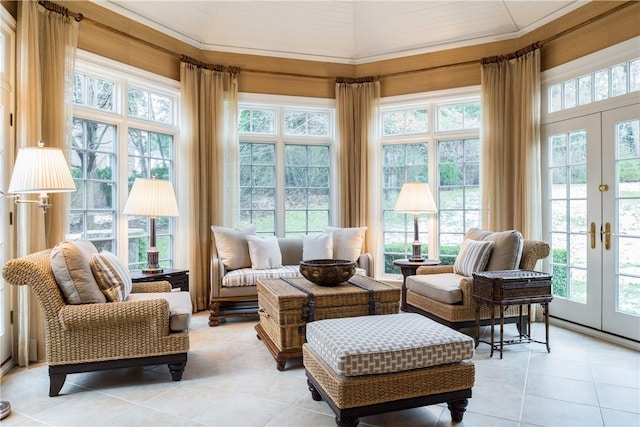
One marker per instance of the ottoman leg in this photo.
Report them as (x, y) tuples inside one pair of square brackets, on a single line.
[(457, 408), (314, 393), (347, 422)]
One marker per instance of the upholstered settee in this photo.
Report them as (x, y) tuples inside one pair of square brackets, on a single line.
[(444, 294), (84, 331), (236, 264)]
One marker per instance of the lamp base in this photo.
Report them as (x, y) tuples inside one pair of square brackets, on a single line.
[(152, 262), (417, 252)]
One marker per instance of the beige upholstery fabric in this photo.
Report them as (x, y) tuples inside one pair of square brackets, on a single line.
[(71, 264), (347, 242), (112, 276), (440, 287), (264, 252), (179, 307), (507, 249), (381, 344), (232, 246), (319, 246)]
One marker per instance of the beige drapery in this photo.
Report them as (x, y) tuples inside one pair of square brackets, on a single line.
[(207, 167), (46, 44), (357, 102), (511, 168)]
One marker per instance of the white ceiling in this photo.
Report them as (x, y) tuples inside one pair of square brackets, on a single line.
[(342, 31)]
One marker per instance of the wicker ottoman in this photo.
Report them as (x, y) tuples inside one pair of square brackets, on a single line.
[(373, 364)]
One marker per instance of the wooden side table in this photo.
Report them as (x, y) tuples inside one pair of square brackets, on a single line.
[(179, 279), (512, 287), (409, 268)]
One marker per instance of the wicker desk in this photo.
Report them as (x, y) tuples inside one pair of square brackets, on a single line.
[(287, 305), (512, 287)]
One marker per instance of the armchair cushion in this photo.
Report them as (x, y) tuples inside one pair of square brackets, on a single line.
[(507, 249), (232, 246), (473, 256), (264, 252), (444, 287), (347, 242), (179, 307), (70, 262), (112, 276)]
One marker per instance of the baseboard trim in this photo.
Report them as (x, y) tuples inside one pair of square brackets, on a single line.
[(6, 367), (615, 339)]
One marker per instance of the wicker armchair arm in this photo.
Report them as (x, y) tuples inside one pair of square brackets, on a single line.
[(434, 269), (113, 314), (148, 287)]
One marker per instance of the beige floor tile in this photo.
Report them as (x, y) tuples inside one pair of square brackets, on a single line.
[(620, 398), (551, 412), (298, 417), (565, 389), (613, 418)]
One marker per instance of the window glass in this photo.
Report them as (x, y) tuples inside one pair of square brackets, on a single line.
[(94, 92), (306, 123), (458, 117), (405, 122), (257, 121)]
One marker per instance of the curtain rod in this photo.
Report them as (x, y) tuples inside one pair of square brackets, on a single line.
[(54, 7), (79, 16)]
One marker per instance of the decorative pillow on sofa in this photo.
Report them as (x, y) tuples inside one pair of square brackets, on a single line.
[(70, 262), (112, 276), (264, 253), (347, 242), (319, 246), (507, 249), (473, 257), (232, 246)]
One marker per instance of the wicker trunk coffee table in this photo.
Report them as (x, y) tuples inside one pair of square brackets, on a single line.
[(286, 306)]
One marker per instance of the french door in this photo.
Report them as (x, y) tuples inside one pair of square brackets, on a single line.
[(592, 221)]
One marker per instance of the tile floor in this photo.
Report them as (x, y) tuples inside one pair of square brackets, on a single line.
[(231, 380)]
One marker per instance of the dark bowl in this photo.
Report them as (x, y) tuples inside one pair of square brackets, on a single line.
[(327, 272)]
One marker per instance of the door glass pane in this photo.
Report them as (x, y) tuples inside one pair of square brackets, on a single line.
[(628, 216)]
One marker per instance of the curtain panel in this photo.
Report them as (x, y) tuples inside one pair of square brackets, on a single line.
[(46, 47), (357, 103), (511, 164), (208, 169)]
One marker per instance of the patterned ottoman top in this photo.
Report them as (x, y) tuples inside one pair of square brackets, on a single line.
[(380, 344)]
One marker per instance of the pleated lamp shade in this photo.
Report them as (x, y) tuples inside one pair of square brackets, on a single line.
[(415, 197), (151, 197), (41, 170)]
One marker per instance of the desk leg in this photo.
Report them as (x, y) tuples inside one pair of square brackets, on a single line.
[(477, 324), (502, 308), (493, 321), (529, 320), (545, 307), (520, 325)]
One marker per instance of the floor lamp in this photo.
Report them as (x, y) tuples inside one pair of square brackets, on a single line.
[(153, 198), (416, 198)]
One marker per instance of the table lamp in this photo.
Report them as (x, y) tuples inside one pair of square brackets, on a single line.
[(40, 170), (153, 198), (416, 198)]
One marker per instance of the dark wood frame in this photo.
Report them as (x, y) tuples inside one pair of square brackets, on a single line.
[(179, 278), (280, 356), (58, 373), (457, 402)]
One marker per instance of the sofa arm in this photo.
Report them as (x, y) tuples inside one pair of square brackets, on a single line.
[(111, 315), (149, 287), (217, 273), (434, 269), (365, 261)]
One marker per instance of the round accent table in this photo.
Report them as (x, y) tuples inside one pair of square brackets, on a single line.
[(409, 268)]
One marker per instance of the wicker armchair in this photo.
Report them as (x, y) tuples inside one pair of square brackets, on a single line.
[(463, 314), (93, 337)]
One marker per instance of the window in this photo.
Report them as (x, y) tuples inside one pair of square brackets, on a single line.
[(285, 168), (124, 127), (446, 155)]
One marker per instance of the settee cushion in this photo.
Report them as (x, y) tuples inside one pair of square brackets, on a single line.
[(232, 246), (319, 246), (70, 262), (249, 276), (367, 345), (112, 276), (473, 256), (179, 307), (264, 252), (507, 249), (444, 287), (347, 242)]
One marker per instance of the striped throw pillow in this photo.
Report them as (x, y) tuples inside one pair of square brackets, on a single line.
[(112, 276), (473, 256)]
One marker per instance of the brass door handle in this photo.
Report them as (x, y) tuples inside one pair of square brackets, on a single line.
[(592, 233), (607, 236)]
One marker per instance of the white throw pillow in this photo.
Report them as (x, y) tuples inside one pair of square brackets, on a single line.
[(232, 247), (319, 246), (70, 262), (347, 242), (473, 257), (265, 253), (112, 276)]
